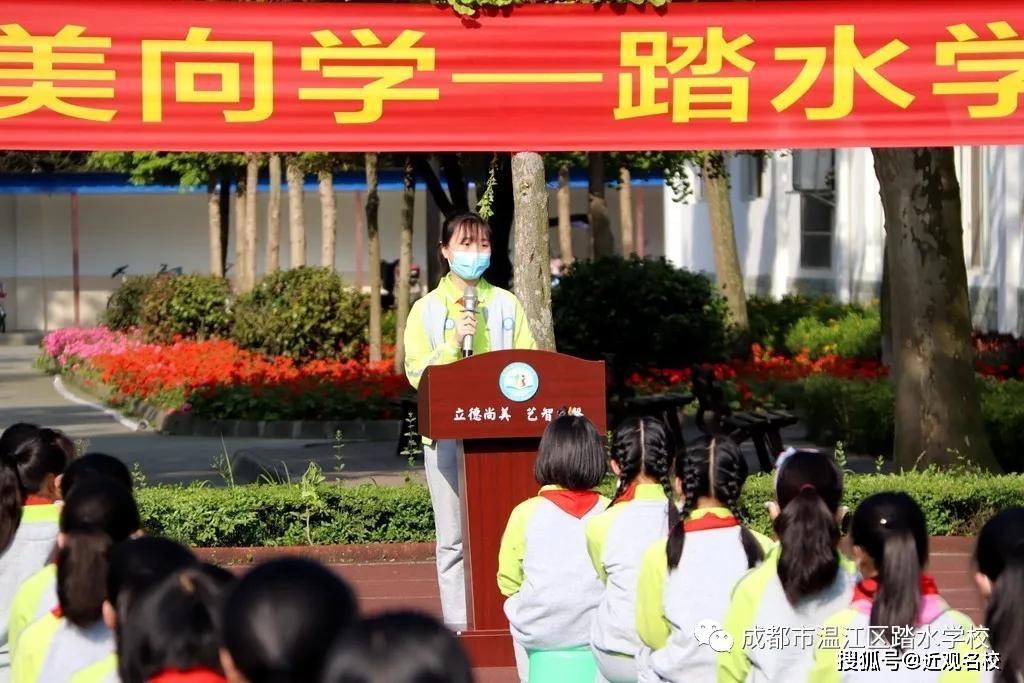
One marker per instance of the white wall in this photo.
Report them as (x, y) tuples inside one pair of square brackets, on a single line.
[(145, 230)]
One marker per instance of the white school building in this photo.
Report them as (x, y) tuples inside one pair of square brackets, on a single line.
[(805, 221)]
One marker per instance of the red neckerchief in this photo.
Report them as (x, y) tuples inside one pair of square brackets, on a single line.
[(33, 499), (627, 495), (575, 503), (198, 675), (58, 612), (866, 588), (710, 521)]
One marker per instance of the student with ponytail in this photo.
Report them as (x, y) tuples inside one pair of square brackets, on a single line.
[(31, 462), (173, 634), (73, 636), (803, 580), (642, 457), (38, 593), (895, 598), (689, 577), (543, 566), (999, 557)]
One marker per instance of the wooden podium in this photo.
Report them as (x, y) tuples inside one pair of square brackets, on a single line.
[(499, 403)]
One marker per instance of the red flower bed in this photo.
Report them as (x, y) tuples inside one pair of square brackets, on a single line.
[(217, 379)]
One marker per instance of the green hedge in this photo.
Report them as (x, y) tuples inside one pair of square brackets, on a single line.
[(124, 307), (196, 306), (270, 515), (772, 319), (955, 503)]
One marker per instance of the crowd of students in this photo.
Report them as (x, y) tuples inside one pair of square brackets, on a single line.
[(665, 583), (661, 583), (87, 597)]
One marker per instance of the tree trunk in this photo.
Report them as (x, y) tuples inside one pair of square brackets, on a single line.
[(252, 168), (532, 274), (564, 216), (404, 264), (600, 227), (373, 231), (213, 220), (626, 211), (296, 219), (225, 219), (727, 258), (239, 277), (328, 219), (500, 272), (885, 307), (938, 411), (274, 215)]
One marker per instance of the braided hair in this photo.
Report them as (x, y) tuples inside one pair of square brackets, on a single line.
[(717, 470), (643, 445)]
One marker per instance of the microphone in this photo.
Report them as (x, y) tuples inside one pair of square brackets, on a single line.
[(469, 301)]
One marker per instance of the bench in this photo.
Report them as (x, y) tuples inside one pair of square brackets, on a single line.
[(714, 416)]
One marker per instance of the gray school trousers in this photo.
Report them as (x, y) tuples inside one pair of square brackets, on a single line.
[(441, 462)]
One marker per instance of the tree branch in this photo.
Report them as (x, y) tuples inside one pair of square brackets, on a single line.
[(424, 171)]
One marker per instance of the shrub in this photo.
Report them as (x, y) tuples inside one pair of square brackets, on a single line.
[(1002, 408), (772, 319), (196, 306), (645, 312), (303, 313), (124, 308), (857, 334), (954, 503), (860, 413)]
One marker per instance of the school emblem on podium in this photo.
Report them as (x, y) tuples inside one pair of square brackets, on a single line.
[(518, 382)]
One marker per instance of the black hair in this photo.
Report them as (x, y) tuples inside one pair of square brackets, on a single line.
[(81, 576), (96, 514), (176, 625), (809, 489), (92, 465), (28, 455), (281, 618), (999, 555), (643, 445), (476, 229), (100, 504), (890, 527), (399, 647), (571, 454), (717, 469)]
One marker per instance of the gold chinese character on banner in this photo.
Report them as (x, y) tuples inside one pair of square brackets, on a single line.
[(187, 68), (43, 80), (719, 97), (386, 66), (1003, 56), (848, 62)]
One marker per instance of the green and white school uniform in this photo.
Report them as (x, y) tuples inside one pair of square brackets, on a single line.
[(670, 603), (616, 540), (29, 551), (760, 609)]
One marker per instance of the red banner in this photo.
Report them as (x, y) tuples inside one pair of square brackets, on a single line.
[(350, 77)]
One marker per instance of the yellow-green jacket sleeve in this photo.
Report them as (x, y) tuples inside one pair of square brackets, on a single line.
[(651, 623), (418, 354), (513, 548), (28, 662), (597, 530), (26, 604), (523, 337)]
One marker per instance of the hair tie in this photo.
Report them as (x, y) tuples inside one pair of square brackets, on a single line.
[(811, 487), (883, 521)]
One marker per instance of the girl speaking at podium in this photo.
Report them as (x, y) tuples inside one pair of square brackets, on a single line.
[(439, 329)]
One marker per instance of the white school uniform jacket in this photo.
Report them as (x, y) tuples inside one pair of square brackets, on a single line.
[(544, 569), (55, 651), (616, 540), (670, 603), (773, 641), (28, 552), (939, 649)]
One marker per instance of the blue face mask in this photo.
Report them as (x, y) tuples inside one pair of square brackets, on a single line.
[(469, 265)]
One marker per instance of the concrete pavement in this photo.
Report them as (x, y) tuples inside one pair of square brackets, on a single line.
[(27, 395)]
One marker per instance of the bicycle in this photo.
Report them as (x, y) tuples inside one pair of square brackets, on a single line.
[(3, 312)]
